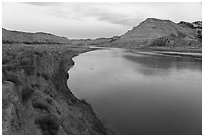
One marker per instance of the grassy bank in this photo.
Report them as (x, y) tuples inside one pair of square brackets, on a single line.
[(35, 96)]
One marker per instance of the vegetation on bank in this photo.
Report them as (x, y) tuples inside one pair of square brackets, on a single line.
[(35, 96)]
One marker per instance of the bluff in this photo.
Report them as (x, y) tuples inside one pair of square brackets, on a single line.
[(161, 33)]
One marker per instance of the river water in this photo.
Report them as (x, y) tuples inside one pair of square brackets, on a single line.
[(134, 93)]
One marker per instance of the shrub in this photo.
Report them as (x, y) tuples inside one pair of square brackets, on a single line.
[(45, 76), (40, 106), (84, 101), (49, 100), (35, 85), (48, 125), (38, 74), (5, 60), (25, 61), (29, 69), (38, 53), (26, 94)]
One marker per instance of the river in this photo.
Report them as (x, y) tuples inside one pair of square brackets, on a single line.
[(135, 93)]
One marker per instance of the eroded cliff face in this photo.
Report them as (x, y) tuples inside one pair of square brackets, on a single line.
[(35, 97)]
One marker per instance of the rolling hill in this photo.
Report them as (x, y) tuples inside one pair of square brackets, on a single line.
[(31, 38)]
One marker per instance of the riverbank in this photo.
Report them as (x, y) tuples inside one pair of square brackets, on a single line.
[(35, 96)]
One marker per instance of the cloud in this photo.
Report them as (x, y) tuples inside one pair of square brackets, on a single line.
[(122, 13), (116, 18), (101, 12), (107, 12)]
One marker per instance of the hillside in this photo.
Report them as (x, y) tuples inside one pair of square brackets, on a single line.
[(159, 33), (155, 28), (31, 38)]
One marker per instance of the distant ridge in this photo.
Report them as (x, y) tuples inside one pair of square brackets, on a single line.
[(31, 38)]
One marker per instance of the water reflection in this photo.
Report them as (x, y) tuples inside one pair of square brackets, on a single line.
[(140, 94), (163, 64)]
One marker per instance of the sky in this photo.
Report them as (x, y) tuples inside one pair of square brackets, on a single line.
[(92, 20)]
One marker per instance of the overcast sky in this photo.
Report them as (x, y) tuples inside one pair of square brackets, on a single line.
[(92, 20)]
